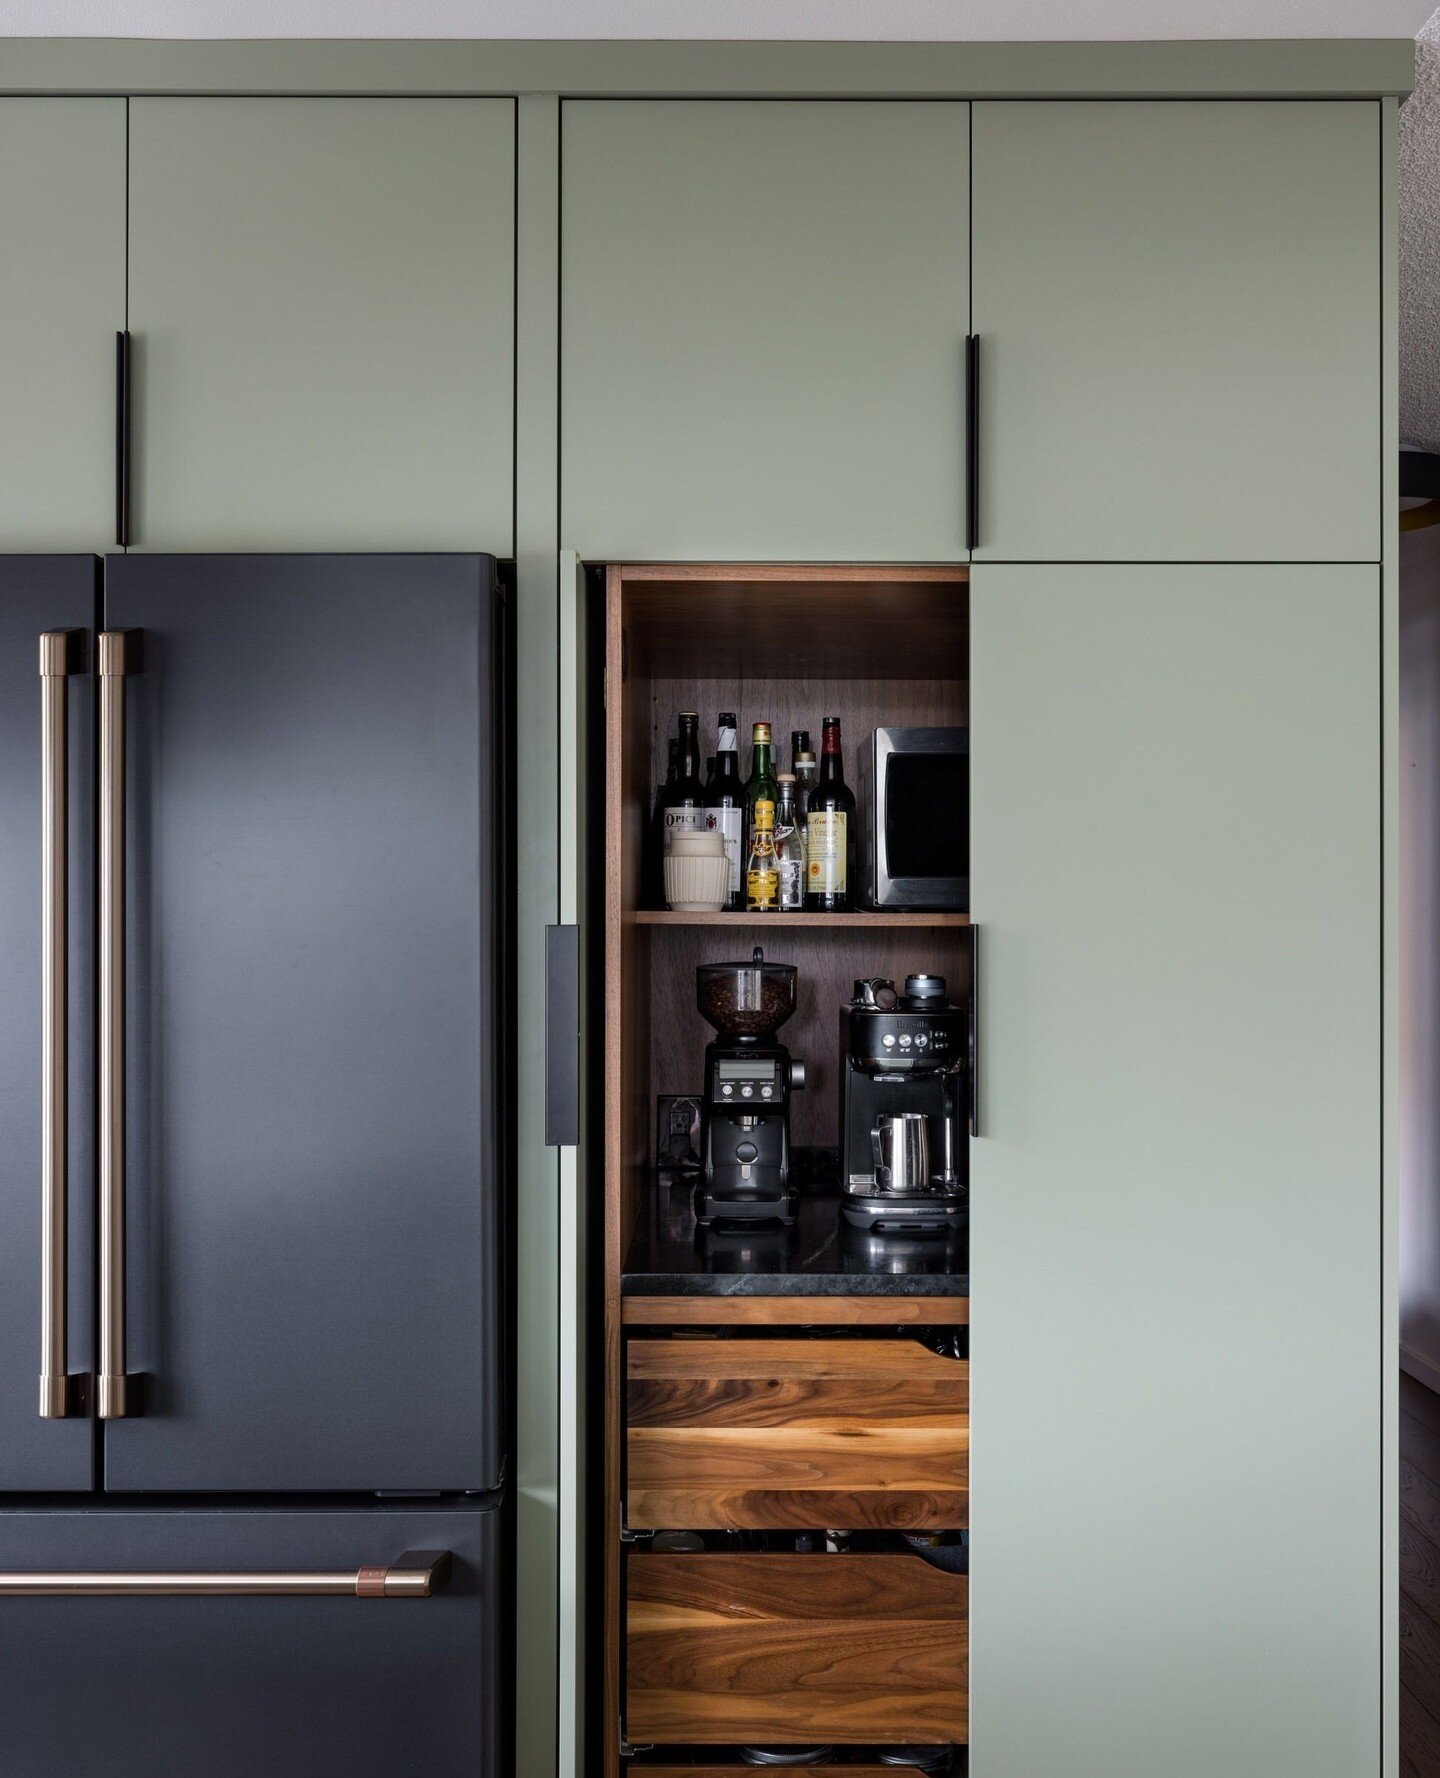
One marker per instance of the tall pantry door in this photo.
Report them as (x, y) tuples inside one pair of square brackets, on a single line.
[(1176, 1216), (312, 1071)]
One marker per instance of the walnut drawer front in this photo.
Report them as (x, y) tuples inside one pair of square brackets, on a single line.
[(792, 1648), (757, 1435)]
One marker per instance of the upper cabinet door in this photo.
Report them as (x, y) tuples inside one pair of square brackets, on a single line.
[(764, 312), (62, 300), (322, 303), (1178, 307)]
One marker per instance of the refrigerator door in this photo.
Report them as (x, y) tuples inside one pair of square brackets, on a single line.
[(310, 1077), (242, 1686), (44, 594)]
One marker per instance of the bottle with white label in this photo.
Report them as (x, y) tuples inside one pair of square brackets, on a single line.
[(789, 847), (685, 798), (829, 830), (725, 806)]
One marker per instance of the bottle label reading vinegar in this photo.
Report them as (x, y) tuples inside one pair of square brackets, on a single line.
[(826, 836)]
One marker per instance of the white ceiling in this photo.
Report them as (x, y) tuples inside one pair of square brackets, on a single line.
[(900, 20)]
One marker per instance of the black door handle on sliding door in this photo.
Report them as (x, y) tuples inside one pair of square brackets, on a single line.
[(972, 441)]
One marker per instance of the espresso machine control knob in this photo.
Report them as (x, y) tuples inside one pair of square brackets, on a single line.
[(797, 1075)]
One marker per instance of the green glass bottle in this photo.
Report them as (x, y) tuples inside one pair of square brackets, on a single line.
[(761, 784)]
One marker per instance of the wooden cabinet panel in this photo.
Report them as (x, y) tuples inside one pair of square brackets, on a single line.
[(62, 298), (1178, 306), (763, 318), (322, 298), (788, 1648), (756, 1434)]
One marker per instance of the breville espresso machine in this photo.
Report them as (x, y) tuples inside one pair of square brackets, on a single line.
[(745, 1173), (904, 1062)]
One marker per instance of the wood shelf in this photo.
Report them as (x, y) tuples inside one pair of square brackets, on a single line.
[(874, 921)]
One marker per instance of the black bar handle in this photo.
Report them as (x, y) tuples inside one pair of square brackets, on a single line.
[(122, 439), (562, 1036), (973, 934), (972, 441)]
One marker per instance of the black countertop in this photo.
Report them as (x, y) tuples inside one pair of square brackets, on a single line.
[(821, 1256)]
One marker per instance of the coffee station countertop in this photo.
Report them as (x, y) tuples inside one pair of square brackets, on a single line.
[(820, 1256)]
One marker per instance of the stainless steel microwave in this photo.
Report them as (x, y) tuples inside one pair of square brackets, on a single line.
[(913, 792)]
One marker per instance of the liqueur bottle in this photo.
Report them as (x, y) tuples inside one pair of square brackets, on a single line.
[(830, 831), (762, 879), (761, 782)]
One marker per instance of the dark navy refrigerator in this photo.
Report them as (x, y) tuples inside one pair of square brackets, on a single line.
[(253, 1104)]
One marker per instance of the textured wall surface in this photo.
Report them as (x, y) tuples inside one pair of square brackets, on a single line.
[(1420, 247), (1420, 953)]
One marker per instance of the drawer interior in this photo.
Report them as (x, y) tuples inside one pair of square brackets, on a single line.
[(864, 1649), (854, 1434)]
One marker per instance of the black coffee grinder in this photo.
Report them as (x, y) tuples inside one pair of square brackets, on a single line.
[(745, 1148)]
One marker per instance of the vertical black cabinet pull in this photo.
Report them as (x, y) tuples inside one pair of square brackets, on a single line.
[(122, 439), (972, 440), (973, 934), (562, 1036)]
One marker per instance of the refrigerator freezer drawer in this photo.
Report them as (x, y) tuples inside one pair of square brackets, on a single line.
[(251, 1684)]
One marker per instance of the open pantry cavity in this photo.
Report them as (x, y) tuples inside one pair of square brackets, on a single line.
[(878, 647)]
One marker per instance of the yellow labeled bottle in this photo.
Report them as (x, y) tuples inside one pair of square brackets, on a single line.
[(762, 875)]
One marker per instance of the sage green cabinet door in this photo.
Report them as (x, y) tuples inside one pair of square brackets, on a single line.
[(1178, 306), (322, 299), (763, 316), (62, 301), (1176, 1217)]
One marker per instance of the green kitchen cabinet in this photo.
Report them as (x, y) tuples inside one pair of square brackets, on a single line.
[(1176, 1219), (322, 305), (62, 301), (1179, 312), (763, 316)]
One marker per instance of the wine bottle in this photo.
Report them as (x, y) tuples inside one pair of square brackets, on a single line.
[(652, 874), (830, 831), (725, 807)]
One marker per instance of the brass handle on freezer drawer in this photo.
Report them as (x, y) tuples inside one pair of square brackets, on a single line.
[(61, 653), (416, 1575), (119, 655)]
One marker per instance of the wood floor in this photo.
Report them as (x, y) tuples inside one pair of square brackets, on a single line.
[(1419, 1581)]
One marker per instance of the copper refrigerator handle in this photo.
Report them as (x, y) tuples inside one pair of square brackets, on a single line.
[(415, 1575), (119, 655), (61, 653)]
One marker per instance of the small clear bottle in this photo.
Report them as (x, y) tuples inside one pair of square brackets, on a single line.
[(789, 847)]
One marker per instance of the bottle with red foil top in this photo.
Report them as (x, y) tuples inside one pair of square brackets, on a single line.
[(830, 831)]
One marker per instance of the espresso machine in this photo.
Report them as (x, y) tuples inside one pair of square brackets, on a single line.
[(749, 1077), (904, 1064)]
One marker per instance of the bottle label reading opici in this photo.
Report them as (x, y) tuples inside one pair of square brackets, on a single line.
[(825, 832), (729, 823), (685, 818)]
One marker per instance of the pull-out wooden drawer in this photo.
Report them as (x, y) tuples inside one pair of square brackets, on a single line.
[(776, 1434), (790, 1648)]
